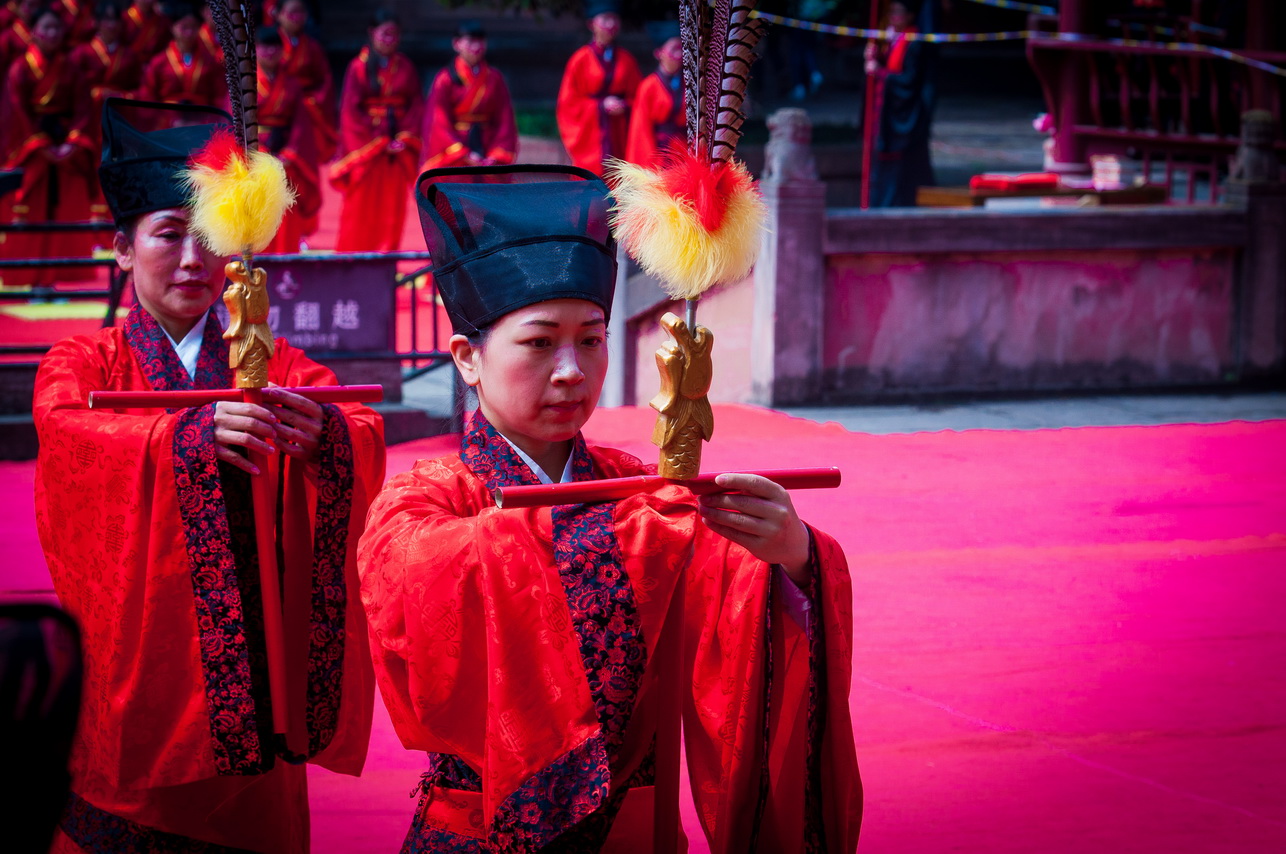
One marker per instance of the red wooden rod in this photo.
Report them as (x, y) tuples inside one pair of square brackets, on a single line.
[(200, 397), (613, 489)]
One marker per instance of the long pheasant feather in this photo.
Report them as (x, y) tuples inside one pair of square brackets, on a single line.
[(738, 52), (231, 22), (690, 18)]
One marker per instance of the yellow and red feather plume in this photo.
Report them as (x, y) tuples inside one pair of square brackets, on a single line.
[(692, 224), (237, 202)]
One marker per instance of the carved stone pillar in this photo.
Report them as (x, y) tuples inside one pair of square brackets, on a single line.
[(1255, 184), (790, 276)]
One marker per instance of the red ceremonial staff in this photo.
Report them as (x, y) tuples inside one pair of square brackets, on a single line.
[(240, 195)]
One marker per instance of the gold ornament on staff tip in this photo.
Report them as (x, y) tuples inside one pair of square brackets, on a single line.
[(248, 331), (684, 418)]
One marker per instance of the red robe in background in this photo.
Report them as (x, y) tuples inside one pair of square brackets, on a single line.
[(147, 35), (285, 130), (374, 179), (14, 42), (517, 647), (45, 107), (150, 543), (209, 40), (657, 119), (108, 74), (198, 80), (469, 111), (78, 16), (303, 58), (589, 134)]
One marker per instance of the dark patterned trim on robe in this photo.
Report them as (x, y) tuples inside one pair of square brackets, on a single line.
[(237, 701), (601, 601), (218, 522), (329, 591), (101, 832)]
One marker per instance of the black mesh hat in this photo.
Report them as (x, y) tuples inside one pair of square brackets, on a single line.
[(140, 168), (504, 237)]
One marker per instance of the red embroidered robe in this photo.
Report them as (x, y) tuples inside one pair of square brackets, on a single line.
[(150, 543), (374, 179), (589, 134), (516, 646), (303, 58), (147, 35), (45, 107), (199, 80), (656, 120), (467, 112), (286, 131)]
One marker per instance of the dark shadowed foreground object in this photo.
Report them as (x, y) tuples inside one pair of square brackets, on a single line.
[(40, 683)]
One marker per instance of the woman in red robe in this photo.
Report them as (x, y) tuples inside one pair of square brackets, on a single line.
[(305, 60), (379, 141), (147, 526), (110, 70), (285, 130), (15, 35), (185, 72), (78, 16), (469, 119), (147, 31), (45, 135), (593, 109), (518, 647), (658, 118)]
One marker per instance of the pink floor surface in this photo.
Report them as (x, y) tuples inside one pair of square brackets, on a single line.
[(1067, 640)]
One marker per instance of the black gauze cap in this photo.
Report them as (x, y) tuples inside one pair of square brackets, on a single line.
[(594, 8), (140, 168), (505, 237)]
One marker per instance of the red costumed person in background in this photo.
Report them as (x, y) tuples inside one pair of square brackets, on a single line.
[(285, 130), (597, 90), (469, 118), (379, 141), (207, 36), (147, 30), (304, 59), (658, 118), (45, 135), (78, 16), (15, 35), (518, 646), (148, 528), (185, 72), (110, 70)]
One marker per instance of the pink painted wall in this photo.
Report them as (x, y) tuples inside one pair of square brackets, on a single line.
[(1018, 320), (727, 312)]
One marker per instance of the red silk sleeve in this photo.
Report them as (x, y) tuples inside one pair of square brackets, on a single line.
[(504, 142)]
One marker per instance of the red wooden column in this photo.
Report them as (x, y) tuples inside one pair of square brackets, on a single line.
[(1074, 16), (1264, 23)]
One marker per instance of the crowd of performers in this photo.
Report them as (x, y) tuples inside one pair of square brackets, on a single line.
[(369, 136)]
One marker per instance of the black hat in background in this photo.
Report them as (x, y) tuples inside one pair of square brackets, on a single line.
[(505, 237), (594, 8), (661, 32), (140, 169), (177, 10), (470, 29)]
